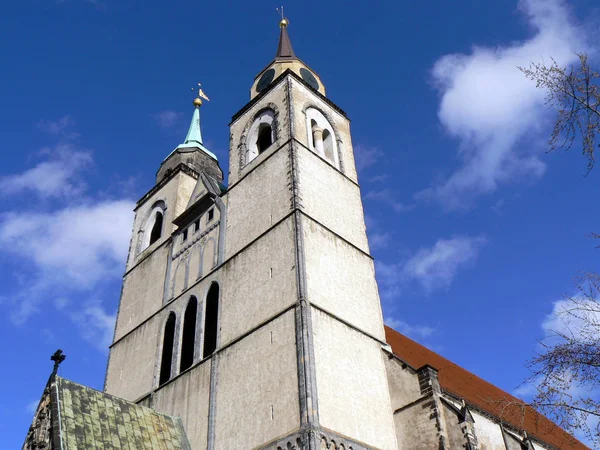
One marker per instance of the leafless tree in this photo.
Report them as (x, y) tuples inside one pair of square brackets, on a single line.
[(566, 372), (575, 92)]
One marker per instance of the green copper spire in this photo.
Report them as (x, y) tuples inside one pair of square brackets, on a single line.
[(194, 135)]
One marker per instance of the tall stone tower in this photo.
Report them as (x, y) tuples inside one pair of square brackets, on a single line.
[(251, 311)]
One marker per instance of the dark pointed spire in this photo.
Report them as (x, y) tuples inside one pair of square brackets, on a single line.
[(284, 49)]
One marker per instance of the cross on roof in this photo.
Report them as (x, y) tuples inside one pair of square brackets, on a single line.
[(57, 357)]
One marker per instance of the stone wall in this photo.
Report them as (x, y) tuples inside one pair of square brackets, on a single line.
[(258, 201), (353, 391), (188, 397)]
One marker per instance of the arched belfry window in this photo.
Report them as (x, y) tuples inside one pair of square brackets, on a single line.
[(188, 340), (166, 360), (321, 136), (261, 134), (265, 137), (153, 228), (211, 320), (156, 231)]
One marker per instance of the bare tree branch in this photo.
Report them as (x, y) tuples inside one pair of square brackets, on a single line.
[(566, 372), (575, 93)]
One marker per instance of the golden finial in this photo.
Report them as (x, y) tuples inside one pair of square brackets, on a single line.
[(201, 95), (283, 22)]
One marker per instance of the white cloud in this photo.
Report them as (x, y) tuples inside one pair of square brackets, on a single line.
[(58, 176), (379, 240), (435, 267), (525, 391), (96, 325), (83, 244), (66, 249), (71, 249), (412, 331), (577, 317), (379, 178), (498, 207), (489, 105), (574, 319), (389, 197), (432, 267), (366, 156), (31, 407), (391, 279), (167, 118), (58, 127)]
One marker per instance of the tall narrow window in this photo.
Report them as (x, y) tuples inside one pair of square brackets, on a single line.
[(167, 350), (264, 140), (189, 334), (156, 228), (211, 319)]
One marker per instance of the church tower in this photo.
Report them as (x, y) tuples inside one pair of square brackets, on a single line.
[(252, 311)]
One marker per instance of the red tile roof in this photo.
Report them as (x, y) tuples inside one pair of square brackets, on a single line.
[(482, 395)]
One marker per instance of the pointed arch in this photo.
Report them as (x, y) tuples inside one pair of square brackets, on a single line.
[(166, 360), (156, 231), (153, 228), (195, 263), (329, 150), (260, 133), (211, 320), (188, 339), (265, 137), (180, 280), (209, 255)]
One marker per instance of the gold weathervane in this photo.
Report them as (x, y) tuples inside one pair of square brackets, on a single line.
[(201, 95), (284, 22)]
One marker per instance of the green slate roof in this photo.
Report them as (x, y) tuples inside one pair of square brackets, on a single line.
[(90, 419)]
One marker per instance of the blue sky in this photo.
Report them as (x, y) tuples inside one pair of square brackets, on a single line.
[(476, 230)]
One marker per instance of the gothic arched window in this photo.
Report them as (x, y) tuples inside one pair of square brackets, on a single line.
[(188, 340), (153, 227), (167, 350), (156, 231), (261, 134), (211, 320), (264, 139)]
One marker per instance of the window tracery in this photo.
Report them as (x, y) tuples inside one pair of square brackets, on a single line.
[(321, 136)]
